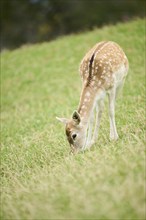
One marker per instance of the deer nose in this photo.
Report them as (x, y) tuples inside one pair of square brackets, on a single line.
[(73, 150)]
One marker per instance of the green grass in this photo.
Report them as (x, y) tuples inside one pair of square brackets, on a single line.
[(40, 180)]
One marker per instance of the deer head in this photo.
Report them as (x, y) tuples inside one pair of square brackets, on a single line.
[(75, 131)]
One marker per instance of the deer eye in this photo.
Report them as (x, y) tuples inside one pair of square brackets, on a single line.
[(74, 136)]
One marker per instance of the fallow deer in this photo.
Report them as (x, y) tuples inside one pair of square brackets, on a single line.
[(103, 71)]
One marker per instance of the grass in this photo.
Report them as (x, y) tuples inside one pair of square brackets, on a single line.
[(40, 180)]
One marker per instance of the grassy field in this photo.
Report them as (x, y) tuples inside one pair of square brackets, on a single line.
[(40, 180)]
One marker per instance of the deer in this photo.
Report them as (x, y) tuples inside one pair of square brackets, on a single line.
[(103, 71)]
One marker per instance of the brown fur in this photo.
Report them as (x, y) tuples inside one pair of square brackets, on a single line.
[(108, 56)]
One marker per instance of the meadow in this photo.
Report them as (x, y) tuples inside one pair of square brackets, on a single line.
[(39, 178)]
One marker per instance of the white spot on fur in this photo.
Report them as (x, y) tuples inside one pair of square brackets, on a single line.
[(88, 94), (92, 83)]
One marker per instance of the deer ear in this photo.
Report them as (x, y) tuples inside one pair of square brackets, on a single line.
[(76, 117), (63, 120)]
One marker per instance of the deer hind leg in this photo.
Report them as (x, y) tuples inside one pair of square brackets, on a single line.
[(113, 130), (98, 109)]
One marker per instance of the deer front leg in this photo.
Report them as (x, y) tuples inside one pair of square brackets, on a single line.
[(113, 130), (99, 109), (89, 131)]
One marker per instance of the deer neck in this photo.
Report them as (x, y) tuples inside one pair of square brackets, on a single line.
[(87, 103)]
